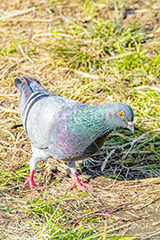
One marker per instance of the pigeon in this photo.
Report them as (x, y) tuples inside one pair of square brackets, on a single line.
[(65, 129)]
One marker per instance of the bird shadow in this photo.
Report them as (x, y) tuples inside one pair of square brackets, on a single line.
[(115, 168)]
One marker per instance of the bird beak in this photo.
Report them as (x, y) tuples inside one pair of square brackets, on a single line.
[(130, 126)]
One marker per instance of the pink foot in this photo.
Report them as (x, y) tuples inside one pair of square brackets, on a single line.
[(30, 181), (76, 182)]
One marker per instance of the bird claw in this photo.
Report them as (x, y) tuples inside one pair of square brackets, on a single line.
[(30, 181), (76, 182)]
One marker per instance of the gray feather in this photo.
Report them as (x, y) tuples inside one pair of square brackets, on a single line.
[(63, 128)]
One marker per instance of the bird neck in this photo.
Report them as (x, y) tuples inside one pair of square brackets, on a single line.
[(93, 119)]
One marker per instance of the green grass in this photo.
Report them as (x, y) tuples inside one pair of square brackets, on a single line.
[(92, 57), (12, 48), (55, 220)]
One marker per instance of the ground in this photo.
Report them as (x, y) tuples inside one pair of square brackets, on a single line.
[(94, 52)]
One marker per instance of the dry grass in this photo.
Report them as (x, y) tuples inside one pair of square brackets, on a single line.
[(86, 51)]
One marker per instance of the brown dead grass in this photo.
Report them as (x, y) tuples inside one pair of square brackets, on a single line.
[(139, 198)]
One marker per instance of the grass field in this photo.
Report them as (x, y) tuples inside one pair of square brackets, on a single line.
[(94, 52)]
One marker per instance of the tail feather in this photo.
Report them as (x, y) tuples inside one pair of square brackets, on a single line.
[(25, 90), (30, 82), (28, 86)]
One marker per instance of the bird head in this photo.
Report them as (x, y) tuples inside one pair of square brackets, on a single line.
[(120, 116)]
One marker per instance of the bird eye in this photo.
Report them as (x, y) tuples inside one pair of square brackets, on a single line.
[(121, 114)]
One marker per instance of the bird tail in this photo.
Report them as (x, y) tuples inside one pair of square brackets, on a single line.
[(27, 86), (30, 82)]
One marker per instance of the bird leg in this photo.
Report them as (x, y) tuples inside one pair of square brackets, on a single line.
[(30, 181), (38, 155), (75, 179), (77, 182)]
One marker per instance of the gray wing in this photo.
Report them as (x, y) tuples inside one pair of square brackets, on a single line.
[(41, 117), (39, 109)]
